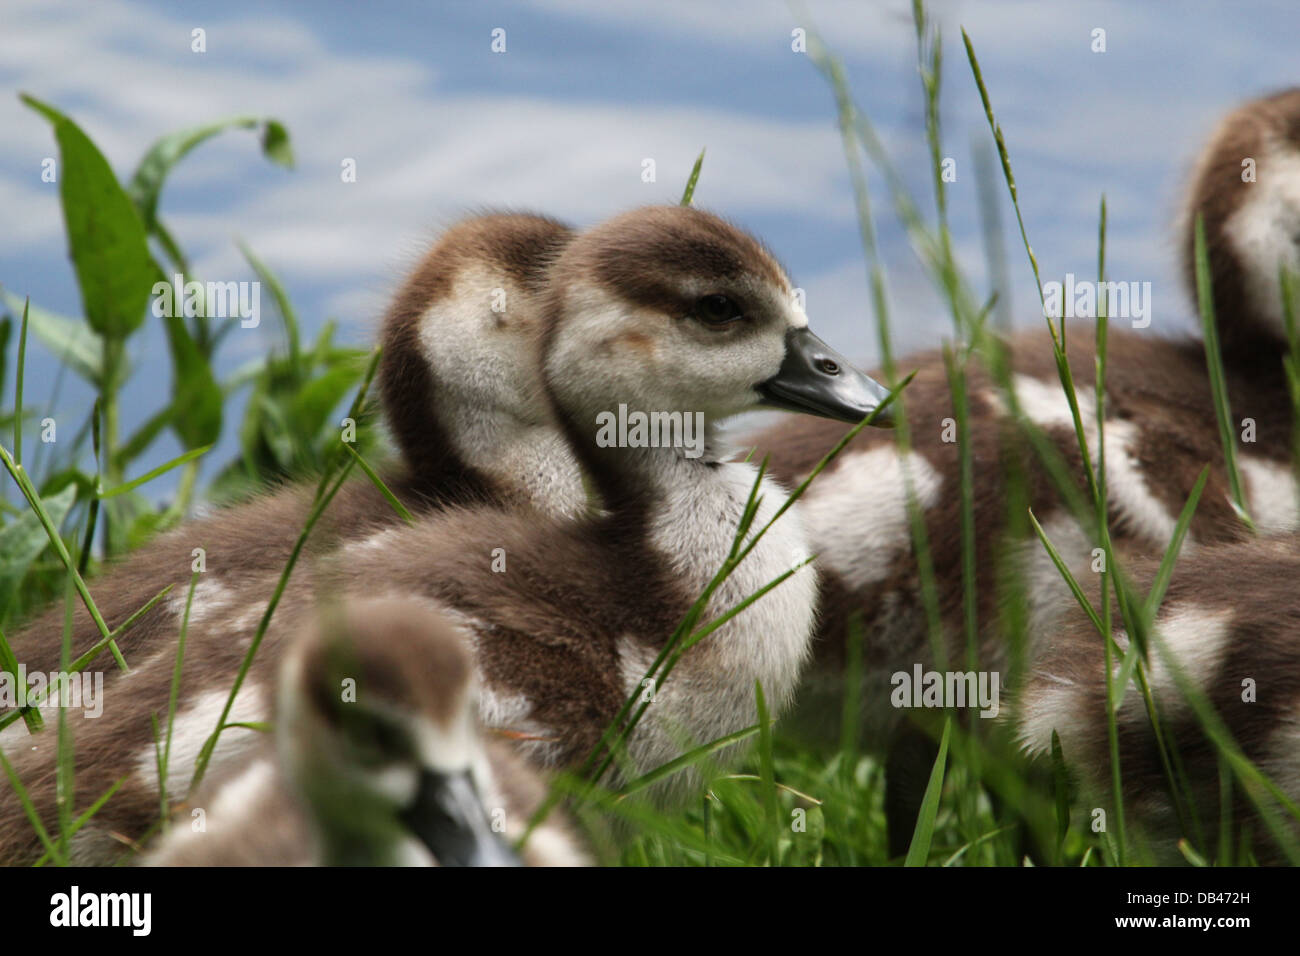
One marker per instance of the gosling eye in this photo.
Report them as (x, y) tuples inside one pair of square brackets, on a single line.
[(828, 366), (717, 310)]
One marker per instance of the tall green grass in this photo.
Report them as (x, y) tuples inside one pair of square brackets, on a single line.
[(791, 803)]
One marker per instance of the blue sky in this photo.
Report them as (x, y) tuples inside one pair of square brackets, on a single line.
[(587, 89)]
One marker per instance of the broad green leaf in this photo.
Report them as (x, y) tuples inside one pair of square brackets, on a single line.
[(107, 240), (170, 246), (321, 396), (23, 540), (71, 340), (276, 432), (324, 344), (196, 395), (35, 502), (146, 185), (275, 144), (287, 314), (55, 483)]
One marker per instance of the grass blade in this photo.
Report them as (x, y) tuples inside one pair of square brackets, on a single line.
[(92, 511), (282, 303), (767, 773), (89, 812), (689, 193), (919, 850), (64, 778), (30, 714), (81, 662), (161, 469), (165, 760), (29, 809), (325, 492), (379, 483), (1218, 379), (1166, 571), (34, 500), (1057, 560), (1061, 790), (18, 386), (209, 745)]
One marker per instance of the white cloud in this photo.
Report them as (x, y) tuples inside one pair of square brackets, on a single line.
[(878, 28), (435, 137), (423, 156)]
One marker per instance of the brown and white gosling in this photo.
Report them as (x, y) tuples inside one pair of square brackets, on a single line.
[(1230, 617), (462, 399), (378, 760), (1160, 432), (1230, 623), (665, 310), (1246, 187)]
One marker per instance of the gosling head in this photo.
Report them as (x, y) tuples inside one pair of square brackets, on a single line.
[(669, 308), (378, 732), (1247, 190), (460, 339)]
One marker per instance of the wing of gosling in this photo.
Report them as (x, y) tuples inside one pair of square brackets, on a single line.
[(233, 549), (116, 745), (1160, 432), (1230, 620), (561, 690)]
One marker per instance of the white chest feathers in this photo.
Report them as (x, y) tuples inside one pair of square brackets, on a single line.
[(711, 693)]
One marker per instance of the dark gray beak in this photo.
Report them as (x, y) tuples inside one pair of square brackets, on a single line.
[(817, 380), (449, 819)]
